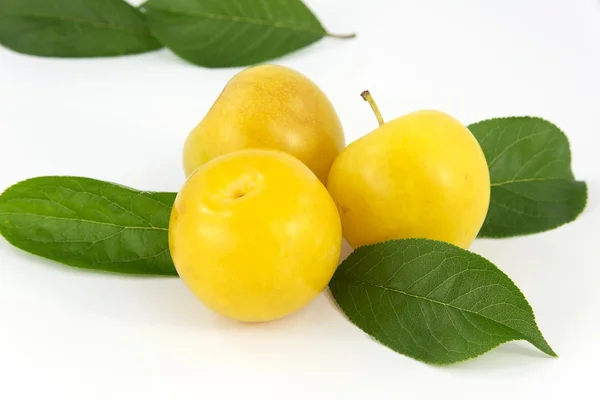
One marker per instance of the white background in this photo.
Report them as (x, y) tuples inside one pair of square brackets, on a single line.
[(71, 334)]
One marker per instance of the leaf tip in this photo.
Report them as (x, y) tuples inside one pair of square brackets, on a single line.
[(549, 351)]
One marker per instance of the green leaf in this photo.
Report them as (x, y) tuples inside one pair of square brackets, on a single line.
[(90, 224), (533, 187), (433, 301), (74, 28), (227, 33)]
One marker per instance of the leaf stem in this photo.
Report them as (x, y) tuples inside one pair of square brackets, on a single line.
[(341, 36), (369, 99)]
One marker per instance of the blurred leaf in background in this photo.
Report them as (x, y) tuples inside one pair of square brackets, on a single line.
[(74, 28), (228, 33)]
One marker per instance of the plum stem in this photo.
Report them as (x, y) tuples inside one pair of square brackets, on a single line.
[(369, 99)]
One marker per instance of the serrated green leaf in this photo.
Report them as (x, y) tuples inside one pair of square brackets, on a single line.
[(74, 28), (227, 33), (533, 187), (89, 224), (433, 301)]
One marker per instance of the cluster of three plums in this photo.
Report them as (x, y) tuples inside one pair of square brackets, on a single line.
[(256, 230)]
